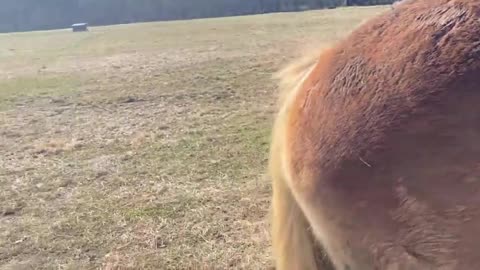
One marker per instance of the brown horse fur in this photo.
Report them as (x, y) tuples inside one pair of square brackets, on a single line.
[(375, 153)]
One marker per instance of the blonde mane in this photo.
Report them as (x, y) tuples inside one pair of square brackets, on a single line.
[(291, 76)]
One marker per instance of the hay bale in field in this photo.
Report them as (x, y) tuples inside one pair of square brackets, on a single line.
[(80, 27)]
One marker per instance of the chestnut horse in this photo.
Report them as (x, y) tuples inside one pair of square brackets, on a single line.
[(375, 154)]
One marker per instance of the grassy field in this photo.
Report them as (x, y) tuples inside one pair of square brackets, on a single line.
[(144, 146)]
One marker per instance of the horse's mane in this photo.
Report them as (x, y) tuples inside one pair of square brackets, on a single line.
[(294, 72)]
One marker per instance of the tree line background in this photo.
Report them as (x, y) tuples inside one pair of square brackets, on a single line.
[(27, 15)]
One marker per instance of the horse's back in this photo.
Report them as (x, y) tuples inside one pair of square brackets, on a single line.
[(383, 140)]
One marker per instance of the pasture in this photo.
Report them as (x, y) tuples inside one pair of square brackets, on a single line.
[(144, 146)]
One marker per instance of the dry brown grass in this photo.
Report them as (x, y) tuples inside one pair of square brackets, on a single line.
[(144, 146)]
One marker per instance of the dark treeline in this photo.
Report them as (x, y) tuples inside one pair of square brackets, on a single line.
[(26, 15)]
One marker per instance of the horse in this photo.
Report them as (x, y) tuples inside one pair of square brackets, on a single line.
[(375, 150)]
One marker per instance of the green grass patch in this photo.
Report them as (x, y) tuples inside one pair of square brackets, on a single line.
[(38, 86), (172, 209)]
